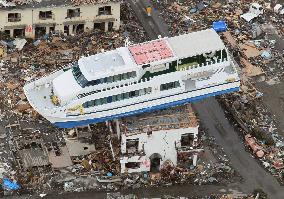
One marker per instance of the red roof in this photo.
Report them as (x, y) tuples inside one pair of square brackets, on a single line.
[(150, 52)]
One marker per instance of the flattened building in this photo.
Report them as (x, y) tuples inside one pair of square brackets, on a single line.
[(33, 19)]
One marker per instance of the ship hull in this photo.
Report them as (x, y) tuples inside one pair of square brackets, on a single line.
[(169, 101)]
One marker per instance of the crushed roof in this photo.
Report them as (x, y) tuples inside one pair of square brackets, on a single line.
[(172, 118)]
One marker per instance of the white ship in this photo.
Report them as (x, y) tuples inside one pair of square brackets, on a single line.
[(134, 79)]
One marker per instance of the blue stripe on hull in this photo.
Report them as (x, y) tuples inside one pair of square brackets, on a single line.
[(72, 124)]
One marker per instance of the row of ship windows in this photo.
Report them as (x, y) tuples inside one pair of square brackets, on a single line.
[(169, 85), (118, 97), (114, 78), (82, 81), (128, 95)]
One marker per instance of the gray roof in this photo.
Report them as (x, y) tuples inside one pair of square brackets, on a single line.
[(196, 43)]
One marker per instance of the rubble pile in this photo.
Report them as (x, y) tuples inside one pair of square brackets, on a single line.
[(258, 128), (48, 160)]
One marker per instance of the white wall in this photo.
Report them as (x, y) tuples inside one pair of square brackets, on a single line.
[(143, 160), (161, 142)]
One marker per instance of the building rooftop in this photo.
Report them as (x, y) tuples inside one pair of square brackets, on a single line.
[(172, 118)]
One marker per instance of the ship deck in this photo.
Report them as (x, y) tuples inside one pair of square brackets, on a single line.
[(40, 97)]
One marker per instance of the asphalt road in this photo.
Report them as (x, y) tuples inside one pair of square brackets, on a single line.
[(212, 117)]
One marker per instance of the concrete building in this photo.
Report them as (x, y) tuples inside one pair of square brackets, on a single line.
[(149, 140), (36, 19)]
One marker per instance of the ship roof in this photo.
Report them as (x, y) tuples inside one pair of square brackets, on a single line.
[(151, 51), (105, 64), (196, 43), (127, 59)]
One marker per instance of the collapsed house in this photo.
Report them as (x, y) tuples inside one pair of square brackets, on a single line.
[(34, 19), (149, 140)]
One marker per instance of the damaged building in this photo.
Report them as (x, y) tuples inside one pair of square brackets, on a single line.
[(36, 19), (149, 140)]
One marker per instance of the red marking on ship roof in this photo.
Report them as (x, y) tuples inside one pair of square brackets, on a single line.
[(150, 52)]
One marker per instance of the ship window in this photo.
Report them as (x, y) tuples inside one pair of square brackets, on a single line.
[(97, 102), (136, 93), (224, 54), (119, 97), (125, 95), (110, 79), (79, 77), (169, 85), (148, 90), (132, 74), (114, 98), (142, 91), (90, 103), (104, 100), (132, 94), (124, 76), (117, 78)]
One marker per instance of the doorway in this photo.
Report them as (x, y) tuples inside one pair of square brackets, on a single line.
[(40, 32), (155, 160)]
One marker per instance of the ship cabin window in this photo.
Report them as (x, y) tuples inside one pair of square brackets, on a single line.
[(79, 77), (112, 79), (118, 97), (169, 85), (224, 54)]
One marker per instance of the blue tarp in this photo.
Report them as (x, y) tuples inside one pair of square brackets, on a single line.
[(220, 26), (8, 184)]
